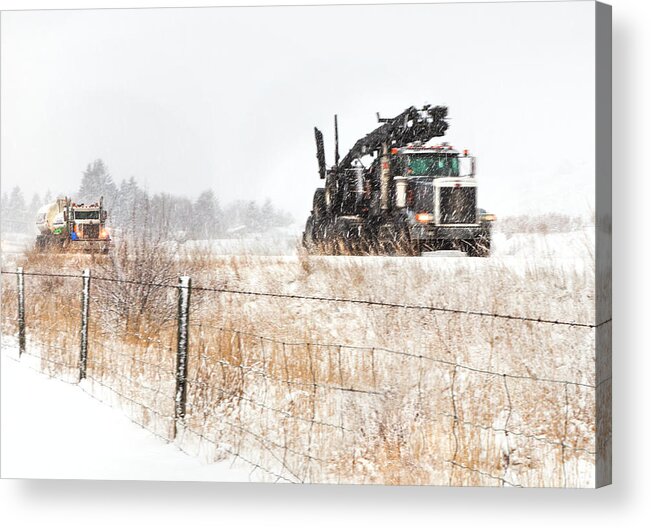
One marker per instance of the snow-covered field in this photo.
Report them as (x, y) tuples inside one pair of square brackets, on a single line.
[(54, 430), (323, 391), (13, 245)]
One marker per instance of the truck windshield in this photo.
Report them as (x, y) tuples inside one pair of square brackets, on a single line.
[(86, 215), (441, 166)]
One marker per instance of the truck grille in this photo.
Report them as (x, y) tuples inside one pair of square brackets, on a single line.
[(458, 205), (91, 231)]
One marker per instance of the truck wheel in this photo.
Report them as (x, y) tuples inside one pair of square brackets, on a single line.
[(371, 246), (388, 241), (364, 246), (405, 245), (308, 235), (344, 244), (346, 237), (319, 207), (479, 247), (41, 243)]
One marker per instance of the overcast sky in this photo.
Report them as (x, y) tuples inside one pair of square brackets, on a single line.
[(226, 98)]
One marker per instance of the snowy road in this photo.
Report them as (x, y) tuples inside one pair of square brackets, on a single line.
[(52, 430)]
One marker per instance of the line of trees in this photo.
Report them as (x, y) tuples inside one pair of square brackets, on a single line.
[(133, 210), (17, 213)]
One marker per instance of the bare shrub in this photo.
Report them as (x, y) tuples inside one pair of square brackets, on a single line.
[(144, 298)]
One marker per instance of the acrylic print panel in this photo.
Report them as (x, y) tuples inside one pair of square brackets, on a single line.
[(198, 284)]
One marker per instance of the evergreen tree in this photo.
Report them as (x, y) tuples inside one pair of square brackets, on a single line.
[(129, 198), (181, 218), (16, 220), (96, 182), (218, 229), (253, 217), (267, 214), (17, 200), (4, 209), (206, 222), (35, 205)]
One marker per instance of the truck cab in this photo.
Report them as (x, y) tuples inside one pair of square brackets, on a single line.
[(436, 190), (88, 222)]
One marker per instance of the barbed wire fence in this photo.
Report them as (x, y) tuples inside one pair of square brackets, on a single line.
[(304, 411)]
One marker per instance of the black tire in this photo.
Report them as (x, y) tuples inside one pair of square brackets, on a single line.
[(41, 243), (416, 248), (404, 245), (319, 208), (480, 246), (386, 240), (344, 239), (308, 235)]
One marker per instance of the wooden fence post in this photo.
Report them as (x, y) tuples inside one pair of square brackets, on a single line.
[(21, 311), (183, 320), (85, 302)]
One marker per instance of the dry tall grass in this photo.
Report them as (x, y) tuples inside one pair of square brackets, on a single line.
[(313, 391)]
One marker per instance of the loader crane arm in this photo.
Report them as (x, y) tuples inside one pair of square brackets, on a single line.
[(407, 127)]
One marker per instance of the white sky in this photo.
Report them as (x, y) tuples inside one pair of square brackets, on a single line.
[(186, 99)]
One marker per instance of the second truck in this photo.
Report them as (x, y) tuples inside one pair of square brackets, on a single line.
[(75, 227), (393, 194)]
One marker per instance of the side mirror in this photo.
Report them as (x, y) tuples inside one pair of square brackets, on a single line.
[(466, 166)]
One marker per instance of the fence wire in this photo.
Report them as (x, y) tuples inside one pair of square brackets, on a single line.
[(300, 411), (404, 306)]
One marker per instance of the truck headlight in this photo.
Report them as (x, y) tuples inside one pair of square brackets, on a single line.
[(424, 218)]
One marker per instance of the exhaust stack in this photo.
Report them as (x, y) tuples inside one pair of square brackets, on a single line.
[(336, 142), (320, 152)]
